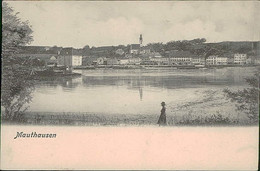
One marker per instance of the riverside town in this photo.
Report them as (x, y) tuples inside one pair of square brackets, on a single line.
[(128, 68), (183, 54)]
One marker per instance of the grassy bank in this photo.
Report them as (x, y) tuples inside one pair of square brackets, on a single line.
[(87, 119)]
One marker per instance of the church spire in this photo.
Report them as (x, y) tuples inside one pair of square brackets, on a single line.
[(141, 40)]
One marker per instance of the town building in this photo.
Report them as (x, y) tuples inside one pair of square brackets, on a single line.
[(217, 60), (230, 60), (134, 49), (240, 58), (123, 61), (211, 60), (145, 50), (52, 61), (221, 60), (134, 61), (101, 61), (160, 61), (198, 61), (180, 57), (113, 61), (89, 60), (120, 51), (156, 54), (255, 60), (138, 48), (148, 61), (69, 57)]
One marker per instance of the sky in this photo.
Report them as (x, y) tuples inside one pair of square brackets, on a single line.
[(103, 23)]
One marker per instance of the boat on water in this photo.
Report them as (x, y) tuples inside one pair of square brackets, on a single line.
[(187, 67), (84, 67), (54, 72), (199, 66)]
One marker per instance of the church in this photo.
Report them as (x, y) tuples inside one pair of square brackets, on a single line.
[(139, 48)]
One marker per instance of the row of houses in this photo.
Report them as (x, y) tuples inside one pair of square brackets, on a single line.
[(239, 59), (72, 57)]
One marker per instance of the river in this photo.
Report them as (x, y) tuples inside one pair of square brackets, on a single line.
[(138, 91)]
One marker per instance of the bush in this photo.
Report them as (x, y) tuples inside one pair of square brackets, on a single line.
[(247, 99), (215, 119)]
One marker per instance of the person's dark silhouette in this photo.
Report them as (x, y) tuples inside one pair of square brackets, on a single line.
[(162, 118)]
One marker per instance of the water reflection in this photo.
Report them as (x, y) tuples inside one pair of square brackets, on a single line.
[(131, 91), (168, 81)]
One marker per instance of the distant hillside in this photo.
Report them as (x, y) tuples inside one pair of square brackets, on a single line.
[(240, 46), (249, 47)]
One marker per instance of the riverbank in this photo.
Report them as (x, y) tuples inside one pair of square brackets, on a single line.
[(88, 119), (158, 66)]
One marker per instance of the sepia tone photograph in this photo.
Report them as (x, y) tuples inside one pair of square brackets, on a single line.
[(123, 71)]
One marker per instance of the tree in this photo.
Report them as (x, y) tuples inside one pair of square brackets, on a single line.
[(16, 85), (198, 41), (156, 47), (247, 99), (184, 45), (243, 49), (86, 50)]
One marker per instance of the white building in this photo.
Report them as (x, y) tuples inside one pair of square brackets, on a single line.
[(221, 60), (74, 60), (101, 60), (211, 60), (198, 61), (123, 61), (160, 61), (144, 50), (134, 61), (134, 48), (180, 57), (69, 57), (240, 58), (217, 60), (120, 51), (180, 60)]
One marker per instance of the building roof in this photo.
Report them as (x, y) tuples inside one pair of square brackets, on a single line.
[(104, 48), (156, 54), (53, 58), (175, 53), (71, 51)]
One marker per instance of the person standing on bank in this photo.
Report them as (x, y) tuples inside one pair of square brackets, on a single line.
[(162, 118)]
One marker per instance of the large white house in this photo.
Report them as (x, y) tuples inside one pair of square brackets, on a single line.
[(160, 61), (222, 60), (180, 57), (68, 57), (217, 60)]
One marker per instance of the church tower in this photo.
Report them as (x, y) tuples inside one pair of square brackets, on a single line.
[(141, 40)]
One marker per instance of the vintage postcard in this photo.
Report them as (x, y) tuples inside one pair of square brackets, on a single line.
[(132, 85)]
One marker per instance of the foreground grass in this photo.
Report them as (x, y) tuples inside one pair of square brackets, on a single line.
[(86, 119)]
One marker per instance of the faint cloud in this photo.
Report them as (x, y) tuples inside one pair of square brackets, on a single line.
[(111, 23)]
